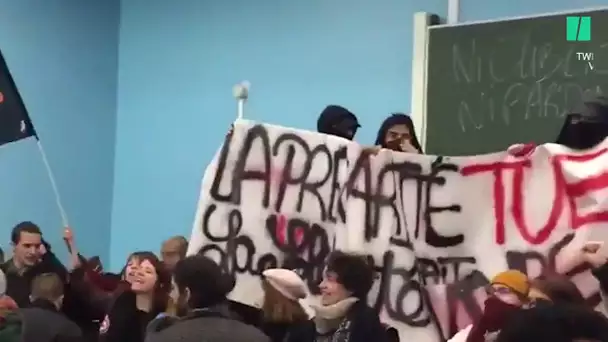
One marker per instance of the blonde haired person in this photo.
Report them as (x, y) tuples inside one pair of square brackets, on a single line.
[(282, 314)]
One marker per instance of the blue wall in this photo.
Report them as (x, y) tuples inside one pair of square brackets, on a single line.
[(173, 66), (63, 56), (178, 64), (483, 10)]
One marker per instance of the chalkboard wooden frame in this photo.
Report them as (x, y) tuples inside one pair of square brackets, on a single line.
[(417, 79), (422, 22)]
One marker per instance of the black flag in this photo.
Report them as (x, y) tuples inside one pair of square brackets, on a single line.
[(15, 123)]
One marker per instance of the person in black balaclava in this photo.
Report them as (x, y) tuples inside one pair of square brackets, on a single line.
[(338, 121), (397, 133), (587, 127)]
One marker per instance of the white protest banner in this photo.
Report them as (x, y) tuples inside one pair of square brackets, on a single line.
[(437, 228)]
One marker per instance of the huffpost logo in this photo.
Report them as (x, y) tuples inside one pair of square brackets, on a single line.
[(578, 29)]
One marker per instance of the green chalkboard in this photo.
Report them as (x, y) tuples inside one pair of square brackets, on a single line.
[(493, 84)]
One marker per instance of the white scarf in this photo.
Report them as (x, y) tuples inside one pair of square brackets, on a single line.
[(328, 317)]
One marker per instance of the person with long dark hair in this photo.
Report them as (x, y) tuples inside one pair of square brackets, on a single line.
[(397, 133), (142, 295)]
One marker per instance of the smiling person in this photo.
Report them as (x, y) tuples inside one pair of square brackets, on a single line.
[(343, 314), (146, 291)]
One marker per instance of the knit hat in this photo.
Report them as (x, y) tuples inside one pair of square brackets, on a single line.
[(287, 282), (513, 279)]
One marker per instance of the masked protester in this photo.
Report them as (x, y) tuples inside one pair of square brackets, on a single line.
[(507, 293), (338, 121), (581, 130), (587, 127), (397, 133)]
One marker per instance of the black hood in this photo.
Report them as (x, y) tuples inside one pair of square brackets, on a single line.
[(397, 119), (586, 127), (339, 121)]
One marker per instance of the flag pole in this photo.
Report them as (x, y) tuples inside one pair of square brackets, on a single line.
[(49, 172), (26, 128), (241, 93)]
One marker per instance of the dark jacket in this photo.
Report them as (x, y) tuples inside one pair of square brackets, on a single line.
[(361, 324), (11, 328), (217, 324), (124, 322), (601, 274), (79, 306), (246, 313), (18, 285), (91, 295), (42, 322), (278, 332), (286, 332)]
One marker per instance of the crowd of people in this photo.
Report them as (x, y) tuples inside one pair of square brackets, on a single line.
[(176, 297)]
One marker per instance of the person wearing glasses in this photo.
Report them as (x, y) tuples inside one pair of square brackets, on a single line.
[(507, 294)]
